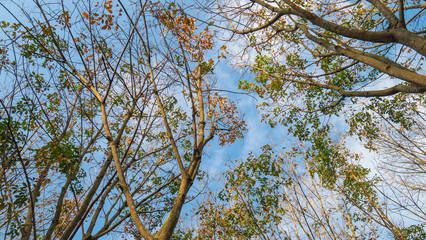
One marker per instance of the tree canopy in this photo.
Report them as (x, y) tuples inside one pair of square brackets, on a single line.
[(109, 109), (332, 72)]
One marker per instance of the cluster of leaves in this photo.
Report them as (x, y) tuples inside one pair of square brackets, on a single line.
[(249, 205), (275, 196), (415, 232)]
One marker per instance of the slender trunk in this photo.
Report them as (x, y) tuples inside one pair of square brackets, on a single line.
[(87, 199), (166, 231), (30, 214)]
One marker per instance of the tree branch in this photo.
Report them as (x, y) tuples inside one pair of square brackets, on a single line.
[(400, 88), (401, 35), (380, 63), (393, 20), (401, 13)]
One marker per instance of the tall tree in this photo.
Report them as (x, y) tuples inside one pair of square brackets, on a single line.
[(106, 112), (273, 195), (358, 64)]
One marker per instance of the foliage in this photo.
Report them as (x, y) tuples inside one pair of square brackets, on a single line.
[(249, 204), (415, 232), (275, 196), (107, 109), (97, 136), (321, 64)]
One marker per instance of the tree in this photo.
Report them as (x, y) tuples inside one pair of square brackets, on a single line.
[(106, 113), (364, 33), (359, 62), (270, 196)]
